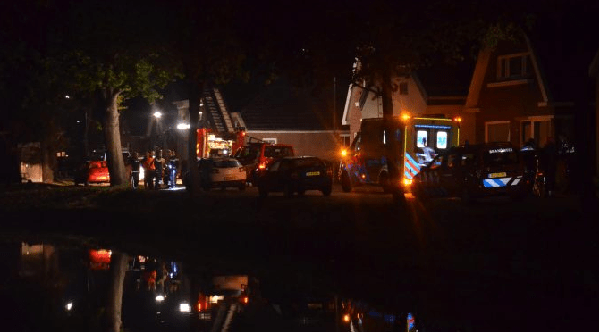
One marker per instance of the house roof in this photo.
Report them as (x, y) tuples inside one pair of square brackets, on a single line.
[(280, 106), (564, 47)]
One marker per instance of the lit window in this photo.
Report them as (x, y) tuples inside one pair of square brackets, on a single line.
[(422, 137), (442, 140)]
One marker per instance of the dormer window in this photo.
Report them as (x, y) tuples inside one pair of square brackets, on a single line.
[(513, 66)]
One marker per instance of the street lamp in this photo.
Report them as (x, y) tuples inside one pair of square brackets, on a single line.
[(157, 114)]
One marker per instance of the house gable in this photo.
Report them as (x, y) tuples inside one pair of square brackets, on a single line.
[(508, 95)]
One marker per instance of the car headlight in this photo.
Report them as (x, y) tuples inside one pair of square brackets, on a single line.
[(159, 298), (68, 306), (184, 307)]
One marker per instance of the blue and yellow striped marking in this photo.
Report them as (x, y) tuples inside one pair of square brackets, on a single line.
[(411, 167)]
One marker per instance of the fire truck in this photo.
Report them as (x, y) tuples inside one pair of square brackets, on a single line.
[(389, 153), (211, 143)]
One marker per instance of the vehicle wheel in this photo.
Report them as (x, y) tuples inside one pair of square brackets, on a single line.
[(327, 190), (517, 197), (466, 196), (420, 194), (399, 199), (384, 182), (345, 182), (288, 191), (262, 192), (86, 183)]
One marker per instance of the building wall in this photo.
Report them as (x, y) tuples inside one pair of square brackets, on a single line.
[(321, 144), (414, 102), (509, 100)]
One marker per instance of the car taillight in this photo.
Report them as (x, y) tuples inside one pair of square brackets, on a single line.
[(245, 300), (262, 166)]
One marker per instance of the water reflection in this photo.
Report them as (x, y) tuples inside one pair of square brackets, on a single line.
[(59, 286)]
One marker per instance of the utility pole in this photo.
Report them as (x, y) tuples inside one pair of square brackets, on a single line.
[(335, 108)]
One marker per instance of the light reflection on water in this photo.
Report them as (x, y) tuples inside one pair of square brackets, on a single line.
[(65, 286)]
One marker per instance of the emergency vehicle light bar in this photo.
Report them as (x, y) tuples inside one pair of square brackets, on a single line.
[(432, 126)]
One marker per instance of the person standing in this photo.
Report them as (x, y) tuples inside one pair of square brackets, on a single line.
[(135, 164), (159, 162), (149, 170), (172, 169)]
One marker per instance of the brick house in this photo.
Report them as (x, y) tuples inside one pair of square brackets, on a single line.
[(439, 91), (302, 117), (509, 99)]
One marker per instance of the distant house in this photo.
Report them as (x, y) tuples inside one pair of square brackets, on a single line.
[(302, 117), (439, 91), (509, 97), (530, 88)]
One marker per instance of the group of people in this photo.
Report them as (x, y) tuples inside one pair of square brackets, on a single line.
[(158, 170)]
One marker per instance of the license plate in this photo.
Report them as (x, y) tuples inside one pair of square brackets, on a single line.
[(497, 175), (313, 173)]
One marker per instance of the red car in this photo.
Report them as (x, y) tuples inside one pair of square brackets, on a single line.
[(92, 172)]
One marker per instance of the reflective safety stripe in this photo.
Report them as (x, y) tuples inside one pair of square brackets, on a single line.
[(410, 166), (516, 181), (496, 183)]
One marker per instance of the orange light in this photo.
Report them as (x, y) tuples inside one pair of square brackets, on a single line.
[(346, 318), (262, 166), (199, 307), (457, 119), (407, 182), (243, 133), (343, 153), (363, 176), (246, 300), (405, 116)]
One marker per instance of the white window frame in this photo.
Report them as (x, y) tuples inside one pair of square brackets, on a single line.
[(532, 120), (503, 73), (509, 133), (345, 136), (270, 140)]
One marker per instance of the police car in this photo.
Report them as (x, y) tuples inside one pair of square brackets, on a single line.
[(470, 172)]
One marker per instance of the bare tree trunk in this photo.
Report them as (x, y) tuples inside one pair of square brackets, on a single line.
[(48, 161), (114, 307), (112, 133), (194, 116)]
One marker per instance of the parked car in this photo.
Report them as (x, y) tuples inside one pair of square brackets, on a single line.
[(255, 157), (92, 172), (219, 172), (470, 172), (296, 174)]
